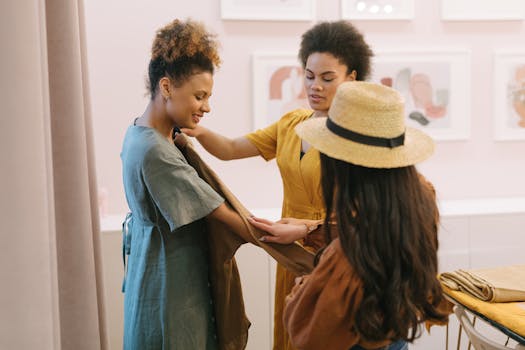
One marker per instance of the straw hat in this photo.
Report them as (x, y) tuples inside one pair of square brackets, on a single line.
[(366, 126)]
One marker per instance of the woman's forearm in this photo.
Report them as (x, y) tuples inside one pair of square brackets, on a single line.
[(230, 218), (221, 146)]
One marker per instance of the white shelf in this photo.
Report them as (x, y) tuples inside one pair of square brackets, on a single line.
[(448, 208), (482, 206)]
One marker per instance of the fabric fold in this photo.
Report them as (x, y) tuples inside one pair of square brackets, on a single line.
[(293, 256), (232, 323), (495, 285)]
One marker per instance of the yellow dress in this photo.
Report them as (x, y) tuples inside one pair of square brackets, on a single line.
[(302, 194)]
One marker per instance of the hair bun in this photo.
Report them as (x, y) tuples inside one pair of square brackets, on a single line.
[(184, 39)]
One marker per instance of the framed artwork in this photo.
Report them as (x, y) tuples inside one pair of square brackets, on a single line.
[(435, 85), (277, 87), (509, 95), (272, 10), (377, 9), (482, 10)]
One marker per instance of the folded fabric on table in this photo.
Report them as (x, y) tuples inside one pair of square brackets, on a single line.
[(495, 285), (509, 315)]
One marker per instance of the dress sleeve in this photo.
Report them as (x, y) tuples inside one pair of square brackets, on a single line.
[(265, 140), (320, 310), (177, 190)]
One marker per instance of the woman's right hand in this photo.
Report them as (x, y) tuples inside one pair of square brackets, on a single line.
[(278, 232), (295, 221), (220, 146), (195, 132)]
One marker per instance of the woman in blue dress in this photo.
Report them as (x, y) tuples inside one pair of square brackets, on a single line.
[(168, 303)]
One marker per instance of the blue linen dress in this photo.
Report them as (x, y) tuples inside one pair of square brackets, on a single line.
[(168, 303)]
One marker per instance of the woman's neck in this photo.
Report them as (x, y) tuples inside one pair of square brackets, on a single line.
[(318, 113), (155, 117)]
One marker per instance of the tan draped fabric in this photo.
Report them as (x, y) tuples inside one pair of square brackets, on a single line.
[(232, 323), (495, 285)]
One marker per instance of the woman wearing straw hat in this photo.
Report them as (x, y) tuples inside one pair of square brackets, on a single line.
[(375, 283), (330, 53)]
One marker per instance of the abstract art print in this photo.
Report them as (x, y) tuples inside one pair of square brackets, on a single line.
[(435, 86), (509, 95), (277, 87)]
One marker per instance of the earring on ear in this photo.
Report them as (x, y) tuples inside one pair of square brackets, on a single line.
[(166, 98)]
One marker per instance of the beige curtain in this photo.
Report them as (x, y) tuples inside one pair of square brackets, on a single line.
[(82, 319), (51, 293)]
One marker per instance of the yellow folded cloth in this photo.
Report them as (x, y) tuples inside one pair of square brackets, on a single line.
[(495, 285), (508, 315)]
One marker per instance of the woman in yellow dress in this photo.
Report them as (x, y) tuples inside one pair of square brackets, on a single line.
[(376, 284), (330, 53)]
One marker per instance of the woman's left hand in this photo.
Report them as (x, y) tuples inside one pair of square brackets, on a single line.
[(283, 233)]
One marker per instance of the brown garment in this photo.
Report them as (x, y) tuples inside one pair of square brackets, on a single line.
[(284, 283), (320, 310), (232, 324)]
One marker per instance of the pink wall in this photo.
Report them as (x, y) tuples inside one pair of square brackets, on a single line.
[(119, 36)]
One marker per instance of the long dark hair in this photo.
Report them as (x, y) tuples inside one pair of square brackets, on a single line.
[(387, 222)]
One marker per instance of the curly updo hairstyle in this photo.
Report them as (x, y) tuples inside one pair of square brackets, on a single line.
[(343, 41), (181, 49)]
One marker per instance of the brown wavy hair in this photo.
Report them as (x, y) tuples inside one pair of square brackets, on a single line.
[(181, 49), (342, 40), (387, 221)]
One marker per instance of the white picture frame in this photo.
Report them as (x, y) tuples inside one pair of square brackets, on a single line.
[(278, 86), (508, 111), (482, 10), (377, 9), (268, 10), (435, 84)]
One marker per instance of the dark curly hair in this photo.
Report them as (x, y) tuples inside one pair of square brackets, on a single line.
[(181, 49), (343, 41), (387, 221)]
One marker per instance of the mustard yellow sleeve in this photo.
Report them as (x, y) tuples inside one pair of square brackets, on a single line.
[(265, 140)]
